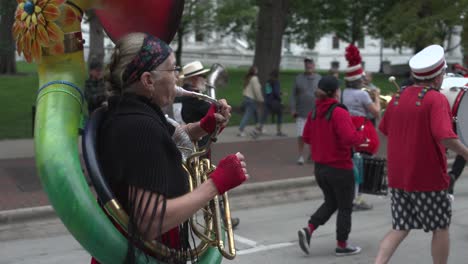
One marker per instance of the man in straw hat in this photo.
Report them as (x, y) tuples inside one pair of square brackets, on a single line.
[(194, 78), (193, 109), (418, 124)]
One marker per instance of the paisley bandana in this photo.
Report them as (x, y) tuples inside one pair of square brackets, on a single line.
[(153, 52)]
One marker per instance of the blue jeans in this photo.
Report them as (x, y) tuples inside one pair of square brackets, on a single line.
[(267, 110), (250, 111)]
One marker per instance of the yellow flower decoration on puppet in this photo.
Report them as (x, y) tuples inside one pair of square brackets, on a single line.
[(35, 27)]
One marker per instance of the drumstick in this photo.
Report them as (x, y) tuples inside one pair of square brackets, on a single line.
[(392, 79)]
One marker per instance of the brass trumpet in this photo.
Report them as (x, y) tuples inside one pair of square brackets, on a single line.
[(384, 99)]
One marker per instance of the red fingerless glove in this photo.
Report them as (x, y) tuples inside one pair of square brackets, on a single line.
[(208, 122), (228, 174)]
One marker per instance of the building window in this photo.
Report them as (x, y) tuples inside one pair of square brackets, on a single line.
[(336, 42)]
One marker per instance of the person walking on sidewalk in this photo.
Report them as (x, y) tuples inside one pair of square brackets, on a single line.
[(272, 104), (253, 96), (331, 135), (303, 101), (418, 125)]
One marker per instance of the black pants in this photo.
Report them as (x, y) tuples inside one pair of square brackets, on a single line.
[(338, 190), (457, 169)]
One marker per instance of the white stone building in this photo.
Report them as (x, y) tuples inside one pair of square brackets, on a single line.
[(328, 51)]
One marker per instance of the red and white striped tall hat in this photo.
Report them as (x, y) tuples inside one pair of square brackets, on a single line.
[(428, 63), (354, 70)]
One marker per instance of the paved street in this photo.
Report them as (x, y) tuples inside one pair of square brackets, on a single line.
[(265, 235)]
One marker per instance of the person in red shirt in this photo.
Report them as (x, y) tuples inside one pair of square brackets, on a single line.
[(331, 134), (418, 126)]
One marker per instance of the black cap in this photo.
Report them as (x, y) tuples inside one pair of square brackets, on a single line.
[(308, 60), (328, 84)]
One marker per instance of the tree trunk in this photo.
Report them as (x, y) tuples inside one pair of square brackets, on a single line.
[(96, 39), (271, 23), (180, 43), (7, 43)]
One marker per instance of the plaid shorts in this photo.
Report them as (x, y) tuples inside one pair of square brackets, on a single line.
[(420, 210)]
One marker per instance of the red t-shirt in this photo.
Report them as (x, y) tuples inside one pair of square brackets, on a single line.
[(331, 140), (415, 154)]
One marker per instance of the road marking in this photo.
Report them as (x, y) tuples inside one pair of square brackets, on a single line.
[(264, 248), (245, 241)]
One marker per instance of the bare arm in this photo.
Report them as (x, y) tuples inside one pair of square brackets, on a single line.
[(374, 108), (257, 90), (177, 210), (194, 130), (455, 145), (292, 98)]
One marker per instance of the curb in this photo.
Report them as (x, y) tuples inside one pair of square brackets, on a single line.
[(245, 196), (241, 198), (26, 214), (261, 187)]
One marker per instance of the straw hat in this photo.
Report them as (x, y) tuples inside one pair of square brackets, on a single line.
[(193, 69)]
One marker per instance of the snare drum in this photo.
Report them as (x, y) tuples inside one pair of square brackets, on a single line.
[(455, 89), (374, 176)]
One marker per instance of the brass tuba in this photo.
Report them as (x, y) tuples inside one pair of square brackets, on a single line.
[(58, 51)]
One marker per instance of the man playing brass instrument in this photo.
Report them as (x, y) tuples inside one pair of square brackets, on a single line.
[(194, 109)]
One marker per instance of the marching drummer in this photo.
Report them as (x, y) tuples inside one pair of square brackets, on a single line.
[(418, 125)]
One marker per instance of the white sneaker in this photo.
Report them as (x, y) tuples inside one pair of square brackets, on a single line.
[(241, 134), (451, 197), (300, 161)]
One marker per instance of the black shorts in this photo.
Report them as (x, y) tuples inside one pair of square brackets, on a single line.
[(420, 210)]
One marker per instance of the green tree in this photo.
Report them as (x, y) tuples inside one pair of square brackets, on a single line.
[(197, 19), (7, 43), (417, 23), (238, 22), (464, 37), (307, 21)]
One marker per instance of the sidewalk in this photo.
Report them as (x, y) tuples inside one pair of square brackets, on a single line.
[(269, 158)]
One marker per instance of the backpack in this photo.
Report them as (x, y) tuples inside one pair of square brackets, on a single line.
[(329, 113)]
